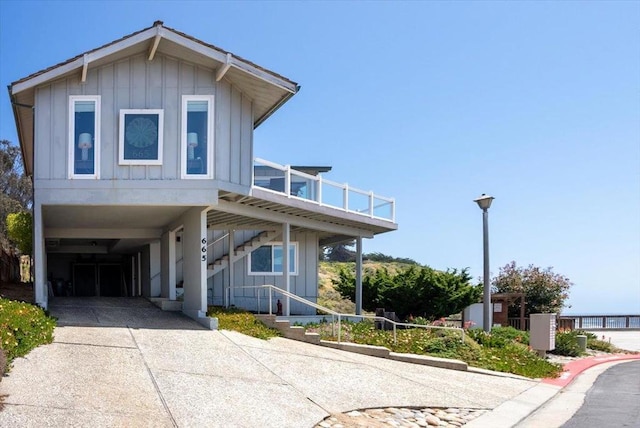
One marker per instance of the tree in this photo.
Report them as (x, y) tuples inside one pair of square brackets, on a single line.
[(417, 291), (339, 252), (20, 231), (15, 186), (384, 258), (544, 290)]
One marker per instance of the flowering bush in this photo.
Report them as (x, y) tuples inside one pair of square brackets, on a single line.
[(22, 328), (545, 291)]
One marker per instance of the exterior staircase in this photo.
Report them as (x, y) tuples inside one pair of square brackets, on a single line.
[(241, 251), (290, 332)]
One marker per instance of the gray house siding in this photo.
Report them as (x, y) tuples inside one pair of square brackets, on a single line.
[(138, 83), (304, 284)]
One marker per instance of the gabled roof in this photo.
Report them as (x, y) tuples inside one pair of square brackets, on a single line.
[(267, 89)]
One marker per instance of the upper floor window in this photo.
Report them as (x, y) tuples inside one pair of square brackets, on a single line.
[(197, 136), (267, 260), (141, 136), (84, 136)]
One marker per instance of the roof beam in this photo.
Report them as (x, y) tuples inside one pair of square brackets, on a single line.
[(85, 67), (154, 45), (99, 233), (276, 217), (225, 67)]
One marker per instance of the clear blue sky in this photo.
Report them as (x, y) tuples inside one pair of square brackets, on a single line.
[(433, 103)]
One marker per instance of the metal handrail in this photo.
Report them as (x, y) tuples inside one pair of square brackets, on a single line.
[(218, 240), (333, 313)]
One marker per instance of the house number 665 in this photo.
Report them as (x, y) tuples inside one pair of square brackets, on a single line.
[(204, 249)]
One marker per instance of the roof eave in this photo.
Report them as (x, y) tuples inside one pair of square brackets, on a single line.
[(280, 103), (16, 115)]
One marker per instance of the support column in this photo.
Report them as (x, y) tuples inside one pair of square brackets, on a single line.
[(194, 247), (230, 270), (168, 265), (39, 259), (286, 239), (155, 269), (139, 275), (359, 275)]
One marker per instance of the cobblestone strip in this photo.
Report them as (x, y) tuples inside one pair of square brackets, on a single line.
[(402, 417)]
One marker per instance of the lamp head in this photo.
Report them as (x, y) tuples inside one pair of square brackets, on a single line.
[(84, 141), (484, 201), (192, 139)]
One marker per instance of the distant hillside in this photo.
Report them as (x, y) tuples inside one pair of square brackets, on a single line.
[(328, 271)]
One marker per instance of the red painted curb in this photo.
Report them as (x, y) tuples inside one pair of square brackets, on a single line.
[(575, 367)]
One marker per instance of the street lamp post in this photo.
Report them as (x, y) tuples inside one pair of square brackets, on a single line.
[(484, 202)]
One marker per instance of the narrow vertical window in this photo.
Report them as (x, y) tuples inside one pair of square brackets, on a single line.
[(197, 136), (84, 136)]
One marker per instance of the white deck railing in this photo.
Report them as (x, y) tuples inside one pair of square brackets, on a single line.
[(284, 180), (271, 289)]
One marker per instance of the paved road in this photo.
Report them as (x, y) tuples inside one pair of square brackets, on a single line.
[(126, 363), (613, 401)]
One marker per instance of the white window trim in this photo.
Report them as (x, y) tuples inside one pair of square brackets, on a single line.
[(210, 137), (121, 159), (72, 137), (275, 244)]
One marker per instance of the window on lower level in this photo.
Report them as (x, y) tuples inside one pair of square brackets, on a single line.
[(84, 136), (267, 260), (197, 136)]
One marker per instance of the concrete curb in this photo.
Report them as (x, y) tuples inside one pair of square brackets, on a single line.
[(511, 412), (382, 352)]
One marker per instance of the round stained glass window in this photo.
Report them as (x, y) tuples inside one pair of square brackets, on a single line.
[(141, 132)]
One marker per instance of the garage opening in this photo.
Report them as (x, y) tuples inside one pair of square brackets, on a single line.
[(86, 269)]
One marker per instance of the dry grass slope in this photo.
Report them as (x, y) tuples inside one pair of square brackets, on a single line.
[(329, 297)]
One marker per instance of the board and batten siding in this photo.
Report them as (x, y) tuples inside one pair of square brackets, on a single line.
[(304, 284), (135, 83)]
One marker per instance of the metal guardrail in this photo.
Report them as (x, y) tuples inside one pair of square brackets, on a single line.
[(604, 322), (588, 322), (273, 289)]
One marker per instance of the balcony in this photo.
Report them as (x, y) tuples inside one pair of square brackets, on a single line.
[(294, 183)]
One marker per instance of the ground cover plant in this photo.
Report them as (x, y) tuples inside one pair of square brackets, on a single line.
[(567, 343), (23, 327), (504, 349), (241, 321)]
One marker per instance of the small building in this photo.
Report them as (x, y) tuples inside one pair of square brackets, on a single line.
[(145, 183)]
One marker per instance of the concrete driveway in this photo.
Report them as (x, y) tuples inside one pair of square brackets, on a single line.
[(123, 362)]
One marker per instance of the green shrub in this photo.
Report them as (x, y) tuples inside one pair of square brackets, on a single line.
[(503, 350), (3, 363), (567, 343), (23, 327)]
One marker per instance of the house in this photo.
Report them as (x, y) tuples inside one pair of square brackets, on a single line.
[(145, 182)]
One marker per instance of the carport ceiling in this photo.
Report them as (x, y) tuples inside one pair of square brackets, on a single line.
[(110, 217)]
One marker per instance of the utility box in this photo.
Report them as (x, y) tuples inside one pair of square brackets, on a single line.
[(542, 335), (474, 316)]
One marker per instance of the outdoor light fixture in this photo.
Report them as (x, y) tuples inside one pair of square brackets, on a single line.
[(484, 202)]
